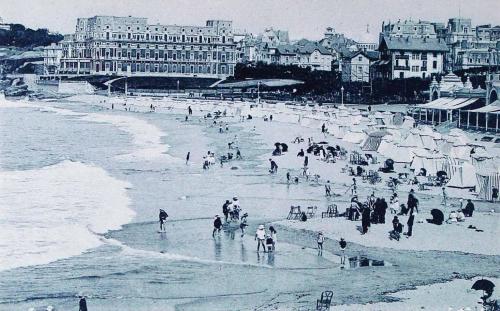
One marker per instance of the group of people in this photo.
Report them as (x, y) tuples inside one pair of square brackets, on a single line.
[(320, 239), (267, 240)]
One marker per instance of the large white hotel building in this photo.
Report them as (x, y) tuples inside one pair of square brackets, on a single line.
[(110, 45)]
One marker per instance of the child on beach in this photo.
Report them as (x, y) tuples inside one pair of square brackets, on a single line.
[(217, 225), (343, 246), (320, 241), (163, 217), (260, 236), (269, 243), (243, 224), (274, 235)]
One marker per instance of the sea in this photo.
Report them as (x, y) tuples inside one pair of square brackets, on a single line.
[(80, 191)]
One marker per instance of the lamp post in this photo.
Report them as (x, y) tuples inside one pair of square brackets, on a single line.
[(258, 92), (342, 94)]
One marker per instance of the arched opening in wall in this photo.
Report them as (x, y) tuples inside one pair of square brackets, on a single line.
[(493, 96), (434, 95)]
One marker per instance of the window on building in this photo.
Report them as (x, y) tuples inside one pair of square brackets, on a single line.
[(434, 65)]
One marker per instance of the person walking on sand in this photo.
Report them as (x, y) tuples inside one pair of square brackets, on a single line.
[(163, 217), (260, 237), (243, 223), (217, 225), (328, 189), (190, 111), (343, 246), (320, 239), (188, 155)]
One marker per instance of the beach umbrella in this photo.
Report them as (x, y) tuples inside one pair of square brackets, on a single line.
[(437, 216), (441, 174), (484, 285)]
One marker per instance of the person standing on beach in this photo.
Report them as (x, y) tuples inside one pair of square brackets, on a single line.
[(412, 203), (225, 209), (163, 217), (445, 196), (410, 224), (274, 235), (82, 304), (306, 161), (383, 210), (274, 167), (190, 111), (217, 225), (243, 223), (187, 157), (328, 189), (238, 154), (260, 237), (343, 246), (365, 219), (320, 239)]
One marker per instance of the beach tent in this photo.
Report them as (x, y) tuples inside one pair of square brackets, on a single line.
[(354, 135), (487, 180), (402, 154), (431, 162), (408, 122), (373, 141), (386, 145), (482, 160), (463, 177)]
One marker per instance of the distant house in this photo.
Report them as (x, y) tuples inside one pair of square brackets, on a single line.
[(356, 66), (304, 54), (410, 57)]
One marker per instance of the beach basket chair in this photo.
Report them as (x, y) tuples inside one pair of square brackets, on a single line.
[(331, 211), (311, 211), (325, 301), (294, 213)]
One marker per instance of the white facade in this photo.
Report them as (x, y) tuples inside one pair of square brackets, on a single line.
[(412, 64), (52, 58), (130, 46), (356, 69)]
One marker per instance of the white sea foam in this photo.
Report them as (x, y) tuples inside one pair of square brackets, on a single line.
[(52, 213), (147, 137)]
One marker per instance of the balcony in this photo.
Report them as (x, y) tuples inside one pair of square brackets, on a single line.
[(401, 67), (402, 57)]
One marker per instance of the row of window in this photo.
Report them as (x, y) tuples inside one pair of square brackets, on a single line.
[(158, 38)]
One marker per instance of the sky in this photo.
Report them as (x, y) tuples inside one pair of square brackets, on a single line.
[(303, 18)]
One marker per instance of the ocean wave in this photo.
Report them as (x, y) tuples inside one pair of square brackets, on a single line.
[(58, 211), (147, 138)]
